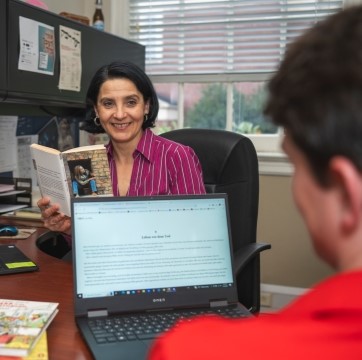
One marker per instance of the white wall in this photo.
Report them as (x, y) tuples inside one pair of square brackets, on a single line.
[(292, 260), (85, 8), (71, 6)]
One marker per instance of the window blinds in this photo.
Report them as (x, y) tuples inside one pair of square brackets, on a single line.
[(220, 36)]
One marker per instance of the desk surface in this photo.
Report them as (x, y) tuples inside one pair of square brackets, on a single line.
[(53, 282)]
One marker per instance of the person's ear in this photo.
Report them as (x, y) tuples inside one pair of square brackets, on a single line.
[(147, 107), (346, 180)]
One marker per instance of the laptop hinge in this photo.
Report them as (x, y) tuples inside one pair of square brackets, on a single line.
[(218, 303), (97, 313)]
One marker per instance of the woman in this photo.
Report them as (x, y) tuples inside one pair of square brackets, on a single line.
[(124, 104)]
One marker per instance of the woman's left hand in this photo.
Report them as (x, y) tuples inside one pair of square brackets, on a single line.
[(53, 219)]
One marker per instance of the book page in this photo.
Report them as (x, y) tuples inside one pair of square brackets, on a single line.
[(85, 148), (8, 158), (51, 178)]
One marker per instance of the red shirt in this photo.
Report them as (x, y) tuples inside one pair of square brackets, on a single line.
[(325, 323), (161, 167)]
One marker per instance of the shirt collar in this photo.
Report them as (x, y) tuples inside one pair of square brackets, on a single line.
[(145, 146)]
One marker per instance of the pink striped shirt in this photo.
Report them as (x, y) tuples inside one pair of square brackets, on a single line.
[(161, 167)]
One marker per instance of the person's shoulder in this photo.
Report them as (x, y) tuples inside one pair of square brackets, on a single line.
[(222, 334), (169, 144), (163, 141), (174, 149)]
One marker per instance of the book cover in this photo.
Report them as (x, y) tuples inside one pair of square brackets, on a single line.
[(81, 171), (22, 324), (39, 352)]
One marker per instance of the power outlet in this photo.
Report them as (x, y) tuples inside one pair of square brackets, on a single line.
[(266, 299)]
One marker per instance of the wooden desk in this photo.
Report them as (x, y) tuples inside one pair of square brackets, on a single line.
[(53, 282)]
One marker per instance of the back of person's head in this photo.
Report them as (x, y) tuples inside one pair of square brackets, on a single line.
[(121, 70), (316, 94)]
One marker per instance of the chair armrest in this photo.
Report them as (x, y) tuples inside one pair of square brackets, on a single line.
[(247, 253)]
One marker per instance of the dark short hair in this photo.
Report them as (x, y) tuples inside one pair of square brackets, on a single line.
[(316, 94), (119, 70)]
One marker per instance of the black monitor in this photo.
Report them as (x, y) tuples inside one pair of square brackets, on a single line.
[(2, 53)]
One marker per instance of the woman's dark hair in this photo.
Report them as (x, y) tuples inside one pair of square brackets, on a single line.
[(119, 70)]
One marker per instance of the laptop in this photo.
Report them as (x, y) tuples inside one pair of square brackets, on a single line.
[(151, 257), (14, 261)]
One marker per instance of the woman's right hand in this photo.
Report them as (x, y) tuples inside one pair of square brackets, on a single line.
[(53, 219)]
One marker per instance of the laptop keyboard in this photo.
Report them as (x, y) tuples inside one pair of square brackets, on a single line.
[(147, 326)]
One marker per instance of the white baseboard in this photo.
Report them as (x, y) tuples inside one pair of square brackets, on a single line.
[(274, 297)]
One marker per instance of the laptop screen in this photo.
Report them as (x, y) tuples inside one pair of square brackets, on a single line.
[(132, 247)]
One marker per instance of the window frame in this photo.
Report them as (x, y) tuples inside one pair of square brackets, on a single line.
[(263, 143)]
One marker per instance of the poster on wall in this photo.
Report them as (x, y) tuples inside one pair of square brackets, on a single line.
[(8, 158), (37, 46), (70, 59)]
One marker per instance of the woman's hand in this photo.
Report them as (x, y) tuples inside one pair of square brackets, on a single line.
[(53, 219)]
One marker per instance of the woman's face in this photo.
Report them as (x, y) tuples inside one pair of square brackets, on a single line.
[(121, 110)]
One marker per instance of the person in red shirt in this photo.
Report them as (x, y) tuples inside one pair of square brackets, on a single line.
[(316, 96), (123, 103)]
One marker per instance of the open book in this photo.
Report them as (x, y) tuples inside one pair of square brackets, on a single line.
[(82, 171), (22, 325)]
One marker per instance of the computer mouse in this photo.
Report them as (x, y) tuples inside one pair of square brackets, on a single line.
[(8, 230)]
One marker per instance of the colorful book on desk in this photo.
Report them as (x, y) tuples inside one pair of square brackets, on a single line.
[(82, 171), (22, 323), (39, 352)]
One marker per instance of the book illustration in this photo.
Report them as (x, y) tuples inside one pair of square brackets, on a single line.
[(87, 172), (83, 179), (22, 324)]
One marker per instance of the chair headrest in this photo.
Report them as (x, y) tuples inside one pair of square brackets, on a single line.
[(225, 156)]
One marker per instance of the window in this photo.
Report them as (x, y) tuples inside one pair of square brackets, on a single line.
[(210, 59)]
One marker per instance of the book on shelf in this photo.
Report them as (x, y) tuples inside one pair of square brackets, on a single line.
[(28, 216), (23, 221), (31, 212), (22, 324), (81, 171)]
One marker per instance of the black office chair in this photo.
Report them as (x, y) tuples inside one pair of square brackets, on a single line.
[(230, 165)]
